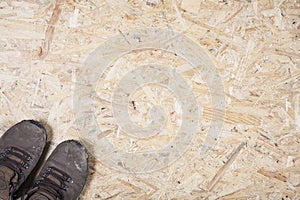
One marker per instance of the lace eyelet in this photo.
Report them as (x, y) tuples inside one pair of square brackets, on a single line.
[(8, 149), (69, 180), (25, 165), (44, 175), (2, 155), (29, 159), (65, 187), (48, 169)]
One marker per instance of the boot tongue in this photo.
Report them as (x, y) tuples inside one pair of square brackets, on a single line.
[(41, 196), (7, 176)]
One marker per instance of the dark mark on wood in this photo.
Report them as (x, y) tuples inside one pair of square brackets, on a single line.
[(50, 29)]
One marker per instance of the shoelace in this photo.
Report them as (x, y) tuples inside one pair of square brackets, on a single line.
[(49, 187), (17, 160)]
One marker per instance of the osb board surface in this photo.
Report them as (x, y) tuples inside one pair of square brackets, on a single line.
[(254, 45)]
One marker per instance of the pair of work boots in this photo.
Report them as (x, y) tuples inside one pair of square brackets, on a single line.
[(62, 176)]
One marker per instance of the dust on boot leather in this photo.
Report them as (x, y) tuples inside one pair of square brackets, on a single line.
[(63, 175), (21, 147), (6, 177)]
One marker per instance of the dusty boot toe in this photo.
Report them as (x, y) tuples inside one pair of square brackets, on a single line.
[(63, 175)]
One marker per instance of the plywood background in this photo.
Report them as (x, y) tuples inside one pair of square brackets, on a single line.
[(254, 45)]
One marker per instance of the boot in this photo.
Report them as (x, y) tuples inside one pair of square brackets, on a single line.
[(63, 175), (21, 147)]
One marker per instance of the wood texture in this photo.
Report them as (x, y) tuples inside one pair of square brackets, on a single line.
[(254, 45)]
